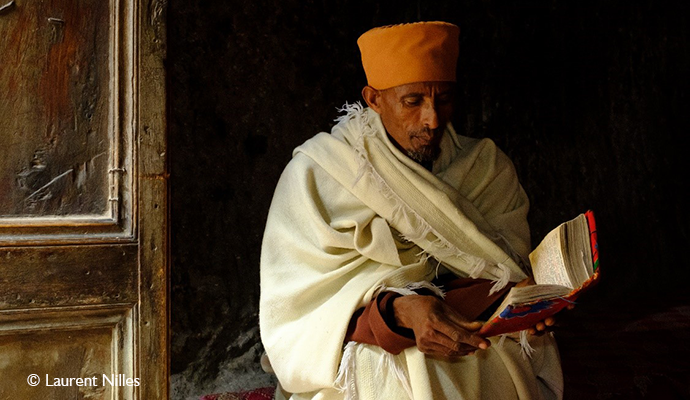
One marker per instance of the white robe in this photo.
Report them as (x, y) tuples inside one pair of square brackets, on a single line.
[(351, 216)]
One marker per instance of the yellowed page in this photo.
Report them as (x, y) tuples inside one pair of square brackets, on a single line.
[(547, 261)]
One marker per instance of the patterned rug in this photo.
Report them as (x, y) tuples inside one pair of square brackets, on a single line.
[(265, 393)]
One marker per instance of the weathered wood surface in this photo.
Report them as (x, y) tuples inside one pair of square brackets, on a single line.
[(60, 344), (83, 196), (153, 178), (54, 109), (66, 122), (33, 277)]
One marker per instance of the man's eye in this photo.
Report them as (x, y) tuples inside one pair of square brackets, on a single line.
[(412, 102)]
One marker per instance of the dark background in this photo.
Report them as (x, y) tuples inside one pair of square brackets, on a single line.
[(588, 98)]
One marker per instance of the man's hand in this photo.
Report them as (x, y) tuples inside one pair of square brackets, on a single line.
[(439, 331), (540, 327)]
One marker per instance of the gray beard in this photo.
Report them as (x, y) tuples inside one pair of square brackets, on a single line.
[(425, 155)]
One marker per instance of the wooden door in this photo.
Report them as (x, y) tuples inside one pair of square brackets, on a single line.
[(83, 200)]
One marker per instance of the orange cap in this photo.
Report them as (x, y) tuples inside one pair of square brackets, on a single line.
[(418, 52)]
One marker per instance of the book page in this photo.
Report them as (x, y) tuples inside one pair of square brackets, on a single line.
[(531, 293), (547, 262), (528, 294), (579, 249)]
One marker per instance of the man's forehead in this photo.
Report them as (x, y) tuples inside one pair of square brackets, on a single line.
[(422, 88)]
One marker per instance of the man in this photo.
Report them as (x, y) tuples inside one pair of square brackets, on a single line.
[(368, 221)]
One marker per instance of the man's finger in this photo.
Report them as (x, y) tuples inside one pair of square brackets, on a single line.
[(440, 345), (457, 341), (458, 333), (461, 321)]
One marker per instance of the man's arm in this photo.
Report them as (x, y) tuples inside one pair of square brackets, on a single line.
[(442, 332)]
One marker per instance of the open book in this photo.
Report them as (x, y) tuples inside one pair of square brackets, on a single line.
[(564, 264)]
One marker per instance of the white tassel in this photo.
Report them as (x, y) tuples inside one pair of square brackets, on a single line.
[(400, 291), (424, 256), (501, 340), (427, 285), (525, 349), (478, 267), (502, 281), (410, 288), (438, 266), (345, 380), (444, 249), (390, 362), (351, 111)]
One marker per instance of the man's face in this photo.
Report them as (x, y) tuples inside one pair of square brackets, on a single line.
[(416, 114)]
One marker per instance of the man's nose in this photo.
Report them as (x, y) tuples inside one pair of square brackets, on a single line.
[(430, 116)]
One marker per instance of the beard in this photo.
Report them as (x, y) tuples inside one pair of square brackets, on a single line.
[(429, 151)]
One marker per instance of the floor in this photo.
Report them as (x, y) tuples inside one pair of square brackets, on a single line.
[(630, 351), (626, 351)]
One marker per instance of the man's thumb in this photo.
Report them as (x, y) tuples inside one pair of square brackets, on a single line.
[(472, 325)]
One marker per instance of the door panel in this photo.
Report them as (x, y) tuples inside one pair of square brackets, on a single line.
[(67, 124), (91, 344), (55, 109), (83, 199), (67, 275)]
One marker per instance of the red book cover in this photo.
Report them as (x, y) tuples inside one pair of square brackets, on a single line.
[(523, 316)]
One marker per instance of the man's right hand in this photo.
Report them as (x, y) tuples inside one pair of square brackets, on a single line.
[(438, 329)]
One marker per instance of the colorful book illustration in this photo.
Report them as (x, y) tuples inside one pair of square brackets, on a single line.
[(565, 264)]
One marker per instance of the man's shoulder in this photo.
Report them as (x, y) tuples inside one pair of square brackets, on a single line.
[(325, 147), (323, 151), (472, 143), (484, 151)]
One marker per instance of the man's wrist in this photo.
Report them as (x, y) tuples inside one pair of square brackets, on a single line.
[(387, 311)]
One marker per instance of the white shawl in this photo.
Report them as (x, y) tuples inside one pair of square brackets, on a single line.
[(352, 214)]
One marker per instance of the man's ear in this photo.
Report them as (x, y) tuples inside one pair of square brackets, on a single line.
[(372, 97)]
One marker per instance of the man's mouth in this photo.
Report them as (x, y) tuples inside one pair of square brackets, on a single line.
[(424, 137), (423, 140)]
